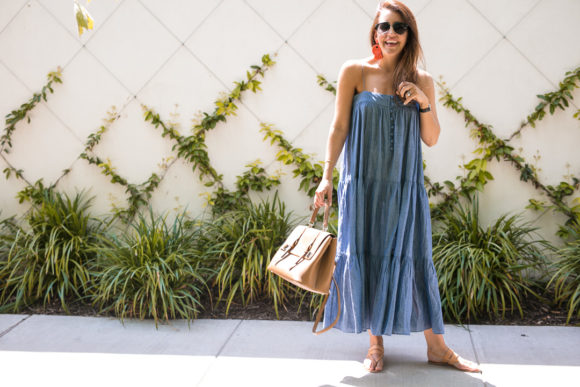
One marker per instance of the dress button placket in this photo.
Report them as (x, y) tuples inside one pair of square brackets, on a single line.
[(392, 132)]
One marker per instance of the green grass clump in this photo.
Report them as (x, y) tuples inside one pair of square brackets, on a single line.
[(566, 275), (482, 272), (242, 242), (153, 270), (49, 256)]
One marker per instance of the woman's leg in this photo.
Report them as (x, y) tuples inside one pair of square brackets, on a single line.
[(438, 351), (374, 360)]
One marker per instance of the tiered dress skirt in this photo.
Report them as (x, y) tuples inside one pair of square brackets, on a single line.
[(384, 266)]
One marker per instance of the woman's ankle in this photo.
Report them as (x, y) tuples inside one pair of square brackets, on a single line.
[(376, 340)]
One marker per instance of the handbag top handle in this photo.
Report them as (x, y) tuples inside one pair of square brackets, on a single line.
[(313, 217)]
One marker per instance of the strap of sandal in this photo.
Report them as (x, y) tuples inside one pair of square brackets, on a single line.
[(450, 357), (376, 348)]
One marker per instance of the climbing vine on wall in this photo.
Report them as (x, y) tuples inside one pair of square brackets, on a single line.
[(15, 116), (192, 148), (138, 194), (310, 172), (493, 147)]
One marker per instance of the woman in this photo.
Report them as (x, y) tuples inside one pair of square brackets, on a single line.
[(384, 105)]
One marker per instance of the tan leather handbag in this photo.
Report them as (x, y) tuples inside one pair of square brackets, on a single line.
[(306, 259)]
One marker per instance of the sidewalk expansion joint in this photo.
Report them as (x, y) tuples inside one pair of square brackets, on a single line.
[(6, 331), (228, 338), (219, 352), (473, 344)]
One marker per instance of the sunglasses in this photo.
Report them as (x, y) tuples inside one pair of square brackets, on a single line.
[(399, 27)]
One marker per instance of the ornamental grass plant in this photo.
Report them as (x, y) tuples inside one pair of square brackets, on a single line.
[(48, 257), (243, 241), (152, 270), (566, 275), (7, 229), (485, 272)]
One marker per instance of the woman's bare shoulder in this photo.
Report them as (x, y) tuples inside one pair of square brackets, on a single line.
[(351, 68), (356, 63), (423, 77), (349, 64)]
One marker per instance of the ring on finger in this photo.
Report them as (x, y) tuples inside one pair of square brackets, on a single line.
[(408, 93)]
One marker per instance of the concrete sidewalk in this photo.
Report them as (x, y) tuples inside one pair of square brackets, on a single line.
[(41, 350)]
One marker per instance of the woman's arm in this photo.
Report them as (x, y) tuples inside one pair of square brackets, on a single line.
[(429, 123), (338, 130), (341, 122)]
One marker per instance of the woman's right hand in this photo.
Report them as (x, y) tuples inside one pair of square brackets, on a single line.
[(324, 189)]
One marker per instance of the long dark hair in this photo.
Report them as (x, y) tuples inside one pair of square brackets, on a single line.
[(406, 68)]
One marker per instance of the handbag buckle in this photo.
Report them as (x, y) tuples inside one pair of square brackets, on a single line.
[(306, 254)]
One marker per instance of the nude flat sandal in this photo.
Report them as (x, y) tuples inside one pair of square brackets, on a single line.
[(449, 359), (375, 349)]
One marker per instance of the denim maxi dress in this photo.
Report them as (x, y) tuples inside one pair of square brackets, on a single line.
[(384, 266)]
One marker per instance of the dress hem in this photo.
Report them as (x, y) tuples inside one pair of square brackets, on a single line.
[(389, 334)]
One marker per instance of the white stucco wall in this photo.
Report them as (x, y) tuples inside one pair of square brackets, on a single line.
[(177, 56)]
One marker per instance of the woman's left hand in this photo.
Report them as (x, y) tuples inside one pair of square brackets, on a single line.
[(416, 94)]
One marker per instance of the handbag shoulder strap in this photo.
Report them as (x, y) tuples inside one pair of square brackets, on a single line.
[(319, 315)]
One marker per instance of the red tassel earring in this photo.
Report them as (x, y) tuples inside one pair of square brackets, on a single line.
[(377, 51)]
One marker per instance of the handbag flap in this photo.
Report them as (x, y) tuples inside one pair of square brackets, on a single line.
[(308, 241)]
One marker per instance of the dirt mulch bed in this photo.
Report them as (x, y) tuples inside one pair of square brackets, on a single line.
[(535, 311), (262, 309)]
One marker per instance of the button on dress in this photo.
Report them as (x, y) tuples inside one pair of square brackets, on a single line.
[(384, 266)]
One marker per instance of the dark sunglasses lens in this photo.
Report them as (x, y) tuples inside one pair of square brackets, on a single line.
[(400, 28), (384, 27)]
